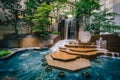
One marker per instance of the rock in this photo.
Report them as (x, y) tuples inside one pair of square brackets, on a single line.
[(9, 78), (48, 69), (43, 60), (116, 54), (86, 74), (44, 64), (97, 61), (109, 54), (61, 75)]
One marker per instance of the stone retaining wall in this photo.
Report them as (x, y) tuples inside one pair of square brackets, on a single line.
[(113, 41)]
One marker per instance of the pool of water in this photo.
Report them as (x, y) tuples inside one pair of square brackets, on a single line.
[(28, 65)]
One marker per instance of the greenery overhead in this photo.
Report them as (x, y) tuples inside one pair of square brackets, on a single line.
[(37, 13), (40, 18), (32, 5), (91, 18), (84, 10), (102, 21)]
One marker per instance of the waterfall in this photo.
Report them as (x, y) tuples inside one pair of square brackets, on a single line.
[(69, 28), (67, 21), (112, 55)]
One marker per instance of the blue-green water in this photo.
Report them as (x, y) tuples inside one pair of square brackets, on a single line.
[(28, 65)]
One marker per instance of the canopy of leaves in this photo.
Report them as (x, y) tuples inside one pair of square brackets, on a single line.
[(40, 18), (84, 11), (102, 21), (37, 12), (86, 7)]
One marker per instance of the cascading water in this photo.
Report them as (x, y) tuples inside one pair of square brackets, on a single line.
[(112, 55), (66, 28), (69, 28)]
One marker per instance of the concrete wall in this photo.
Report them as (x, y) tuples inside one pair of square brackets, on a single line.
[(116, 8), (5, 15), (6, 30), (113, 41), (29, 42)]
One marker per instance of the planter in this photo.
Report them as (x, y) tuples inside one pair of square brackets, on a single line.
[(50, 42), (53, 36), (29, 42), (84, 36)]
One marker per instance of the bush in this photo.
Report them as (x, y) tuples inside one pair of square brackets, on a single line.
[(4, 53), (56, 32)]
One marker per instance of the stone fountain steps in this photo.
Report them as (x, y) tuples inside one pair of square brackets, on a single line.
[(80, 46), (73, 58), (63, 56), (87, 53), (73, 65), (83, 49)]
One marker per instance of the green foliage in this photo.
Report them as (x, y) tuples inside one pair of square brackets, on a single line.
[(86, 7), (32, 5), (37, 13), (4, 53), (102, 21), (58, 7), (55, 32), (84, 10), (91, 18), (40, 18)]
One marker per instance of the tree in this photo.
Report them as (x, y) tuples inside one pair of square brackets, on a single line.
[(102, 21), (40, 19), (84, 11), (37, 13)]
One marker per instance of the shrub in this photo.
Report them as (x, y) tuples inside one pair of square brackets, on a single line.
[(4, 53), (55, 32)]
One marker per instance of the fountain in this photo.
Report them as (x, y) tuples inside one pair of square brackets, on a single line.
[(113, 54), (30, 67), (69, 57)]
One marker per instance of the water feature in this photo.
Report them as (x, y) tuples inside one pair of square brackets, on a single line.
[(31, 65), (69, 29), (112, 55)]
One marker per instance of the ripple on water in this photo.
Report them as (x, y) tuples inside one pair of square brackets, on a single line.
[(29, 68)]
